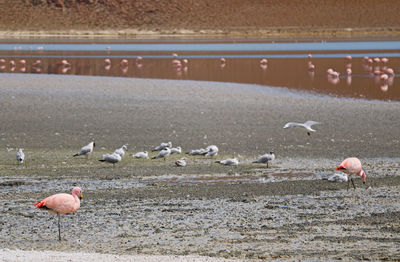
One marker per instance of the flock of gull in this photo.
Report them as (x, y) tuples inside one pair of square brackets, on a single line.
[(349, 166), (166, 149)]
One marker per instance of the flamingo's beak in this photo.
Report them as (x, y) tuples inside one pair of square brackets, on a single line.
[(364, 177), (340, 167), (81, 196)]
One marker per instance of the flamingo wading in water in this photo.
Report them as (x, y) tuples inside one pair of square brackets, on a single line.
[(61, 204), (352, 166)]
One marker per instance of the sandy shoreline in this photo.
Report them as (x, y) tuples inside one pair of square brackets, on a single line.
[(282, 32), (137, 208), (242, 119), (50, 256)]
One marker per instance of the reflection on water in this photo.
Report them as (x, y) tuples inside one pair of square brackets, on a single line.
[(355, 73)]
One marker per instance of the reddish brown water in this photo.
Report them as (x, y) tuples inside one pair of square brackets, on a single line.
[(283, 69)]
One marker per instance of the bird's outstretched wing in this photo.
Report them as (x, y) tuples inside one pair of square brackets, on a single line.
[(311, 123), (291, 124)]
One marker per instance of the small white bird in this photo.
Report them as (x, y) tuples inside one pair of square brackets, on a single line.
[(86, 150), (121, 151), (307, 125), (196, 152), (338, 177), (162, 146), (111, 158), (265, 158), (144, 154), (20, 156), (228, 162), (181, 162), (211, 151), (163, 153), (176, 150)]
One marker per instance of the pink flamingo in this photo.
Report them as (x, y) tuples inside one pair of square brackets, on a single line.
[(176, 62), (61, 204), (377, 60), (352, 166), (263, 61), (389, 72), (311, 66), (124, 62), (38, 62), (223, 62), (65, 63), (107, 61)]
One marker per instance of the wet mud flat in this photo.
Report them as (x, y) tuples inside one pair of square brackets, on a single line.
[(122, 214), (287, 211)]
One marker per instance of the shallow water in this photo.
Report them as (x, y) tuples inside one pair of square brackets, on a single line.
[(287, 64)]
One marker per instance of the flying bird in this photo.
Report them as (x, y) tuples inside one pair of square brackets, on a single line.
[(228, 162), (163, 153), (162, 146), (86, 150), (352, 166), (111, 158), (144, 154), (121, 151), (61, 204), (266, 158), (307, 125), (20, 156)]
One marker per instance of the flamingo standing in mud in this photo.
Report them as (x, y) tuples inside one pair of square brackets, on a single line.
[(352, 166), (61, 204)]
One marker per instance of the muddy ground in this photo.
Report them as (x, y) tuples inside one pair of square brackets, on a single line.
[(286, 211), (266, 18)]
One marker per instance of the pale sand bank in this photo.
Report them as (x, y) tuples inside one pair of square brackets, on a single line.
[(52, 256)]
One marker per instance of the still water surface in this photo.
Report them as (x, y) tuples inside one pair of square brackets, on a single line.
[(287, 64)]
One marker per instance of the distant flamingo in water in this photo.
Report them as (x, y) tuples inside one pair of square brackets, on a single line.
[(61, 204), (352, 166), (311, 66), (264, 61), (63, 62), (124, 62)]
